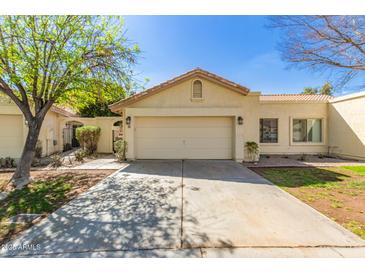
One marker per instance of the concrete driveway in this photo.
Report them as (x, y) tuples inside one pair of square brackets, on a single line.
[(181, 208)]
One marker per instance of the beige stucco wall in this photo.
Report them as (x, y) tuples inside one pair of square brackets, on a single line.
[(52, 129), (347, 125), (50, 133), (50, 124), (105, 144), (285, 112), (217, 101)]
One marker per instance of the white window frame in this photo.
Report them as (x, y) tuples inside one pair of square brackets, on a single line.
[(323, 133), (192, 91)]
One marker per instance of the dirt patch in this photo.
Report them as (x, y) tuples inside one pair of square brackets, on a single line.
[(337, 192), (48, 191), (81, 178), (342, 207)]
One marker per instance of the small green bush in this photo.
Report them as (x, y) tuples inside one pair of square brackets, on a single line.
[(252, 150), (120, 147), (88, 137), (2, 162), (7, 162), (80, 155), (56, 160)]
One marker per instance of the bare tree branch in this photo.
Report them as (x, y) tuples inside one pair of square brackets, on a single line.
[(333, 43)]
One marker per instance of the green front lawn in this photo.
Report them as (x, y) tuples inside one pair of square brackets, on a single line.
[(41, 197), (338, 192), (357, 169)]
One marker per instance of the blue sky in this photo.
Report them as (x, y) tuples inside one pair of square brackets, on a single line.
[(239, 48)]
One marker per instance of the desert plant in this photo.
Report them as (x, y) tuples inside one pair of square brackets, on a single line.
[(80, 155), (38, 149), (88, 137), (8, 162), (252, 150), (302, 157), (56, 160), (2, 162), (120, 147)]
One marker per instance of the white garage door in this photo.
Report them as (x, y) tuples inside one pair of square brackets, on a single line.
[(11, 135), (183, 138)]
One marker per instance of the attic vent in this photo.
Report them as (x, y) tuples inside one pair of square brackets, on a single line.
[(197, 89)]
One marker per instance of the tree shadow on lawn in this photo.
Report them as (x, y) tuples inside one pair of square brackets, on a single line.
[(303, 176), (43, 196)]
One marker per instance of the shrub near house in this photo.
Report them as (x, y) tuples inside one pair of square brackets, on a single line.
[(88, 137)]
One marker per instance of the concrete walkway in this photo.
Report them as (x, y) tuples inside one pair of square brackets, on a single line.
[(186, 209), (104, 162)]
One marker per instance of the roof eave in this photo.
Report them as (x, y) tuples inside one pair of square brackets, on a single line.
[(163, 86)]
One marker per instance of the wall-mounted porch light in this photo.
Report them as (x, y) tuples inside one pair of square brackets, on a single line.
[(128, 121), (240, 120)]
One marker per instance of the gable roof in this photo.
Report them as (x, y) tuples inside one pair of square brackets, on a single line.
[(295, 98), (198, 72)]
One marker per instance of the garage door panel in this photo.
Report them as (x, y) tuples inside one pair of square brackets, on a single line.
[(203, 144), (162, 154), (183, 138), (209, 154), (145, 143), (175, 132), (187, 122)]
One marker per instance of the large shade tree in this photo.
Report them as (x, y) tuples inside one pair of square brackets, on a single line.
[(98, 99), (332, 43), (44, 59)]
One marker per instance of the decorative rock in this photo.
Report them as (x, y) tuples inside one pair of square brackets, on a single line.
[(3, 195)]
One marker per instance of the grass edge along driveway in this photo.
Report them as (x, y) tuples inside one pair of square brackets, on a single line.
[(337, 192)]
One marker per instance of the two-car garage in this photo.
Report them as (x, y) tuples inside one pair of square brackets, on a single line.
[(197, 115), (183, 137)]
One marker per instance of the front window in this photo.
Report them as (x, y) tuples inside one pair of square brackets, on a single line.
[(268, 130), (197, 89), (307, 130)]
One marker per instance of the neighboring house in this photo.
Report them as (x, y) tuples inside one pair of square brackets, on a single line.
[(58, 129), (200, 115)]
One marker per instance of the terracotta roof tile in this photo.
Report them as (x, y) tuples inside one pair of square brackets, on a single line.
[(63, 111), (295, 98)]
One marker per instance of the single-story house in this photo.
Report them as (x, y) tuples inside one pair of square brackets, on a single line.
[(57, 132), (200, 115)]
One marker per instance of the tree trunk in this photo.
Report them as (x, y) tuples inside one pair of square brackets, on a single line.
[(22, 173)]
